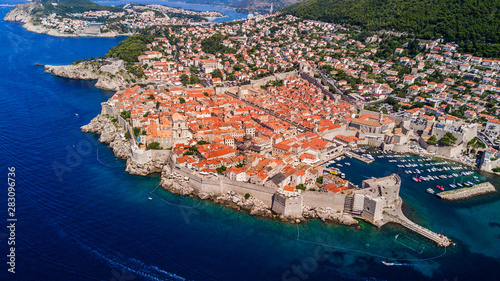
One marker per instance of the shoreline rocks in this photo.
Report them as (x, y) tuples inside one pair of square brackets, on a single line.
[(89, 72), (328, 214), (145, 169), (110, 133), (24, 12)]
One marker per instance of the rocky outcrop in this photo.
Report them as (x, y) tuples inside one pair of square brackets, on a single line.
[(88, 71), (110, 133), (79, 71), (176, 186), (328, 214), (145, 169), (237, 201), (22, 12)]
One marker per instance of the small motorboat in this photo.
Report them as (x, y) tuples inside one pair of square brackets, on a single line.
[(430, 190), (388, 263), (150, 198)]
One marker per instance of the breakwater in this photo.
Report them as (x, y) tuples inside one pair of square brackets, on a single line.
[(467, 192)]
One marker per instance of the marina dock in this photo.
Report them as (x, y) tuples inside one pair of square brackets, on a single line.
[(361, 158), (338, 154)]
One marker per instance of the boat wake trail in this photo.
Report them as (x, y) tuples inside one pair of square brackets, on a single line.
[(106, 164), (135, 268), (372, 254), (173, 204)]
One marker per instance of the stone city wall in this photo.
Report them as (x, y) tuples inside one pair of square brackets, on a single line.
[(322, 199)]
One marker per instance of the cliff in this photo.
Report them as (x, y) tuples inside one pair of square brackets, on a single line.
[(22, 12), (89, 71), (145, 169), (110, 133)]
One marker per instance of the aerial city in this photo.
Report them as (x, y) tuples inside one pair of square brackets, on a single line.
[(250, 140)]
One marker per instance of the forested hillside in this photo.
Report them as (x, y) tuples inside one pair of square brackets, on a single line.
[(62, 7), (475, 24)]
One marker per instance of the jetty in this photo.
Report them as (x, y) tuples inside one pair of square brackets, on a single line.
[(396, 216), (361, 158), (338, 154), (467, 192)]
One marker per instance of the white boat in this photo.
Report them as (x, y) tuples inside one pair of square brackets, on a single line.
[(388, 263), (430, 190), (150, 198), (348, 164)]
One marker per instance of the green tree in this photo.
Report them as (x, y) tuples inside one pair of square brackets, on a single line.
[(184, 79), (432, 140), (137, 131), (447, 140), (194, 80), (217, 74), (154, 145), (319, 180), (301, 187), (221, 169)]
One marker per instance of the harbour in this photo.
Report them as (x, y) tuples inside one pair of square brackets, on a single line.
[(100, 238)]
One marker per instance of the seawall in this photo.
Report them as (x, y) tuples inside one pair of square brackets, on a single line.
[(467, 192)]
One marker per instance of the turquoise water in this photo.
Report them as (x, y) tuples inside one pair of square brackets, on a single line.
[(81, 217)]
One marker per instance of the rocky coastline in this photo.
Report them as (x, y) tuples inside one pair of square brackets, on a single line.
[(113, 134), (23, 13), (110, 133), (87, 71), (252, 205)]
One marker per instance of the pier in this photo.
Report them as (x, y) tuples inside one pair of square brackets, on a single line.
[(397, 216), (361, 158), (338, 154)]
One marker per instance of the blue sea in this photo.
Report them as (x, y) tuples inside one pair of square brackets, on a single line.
[(80, 216)]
